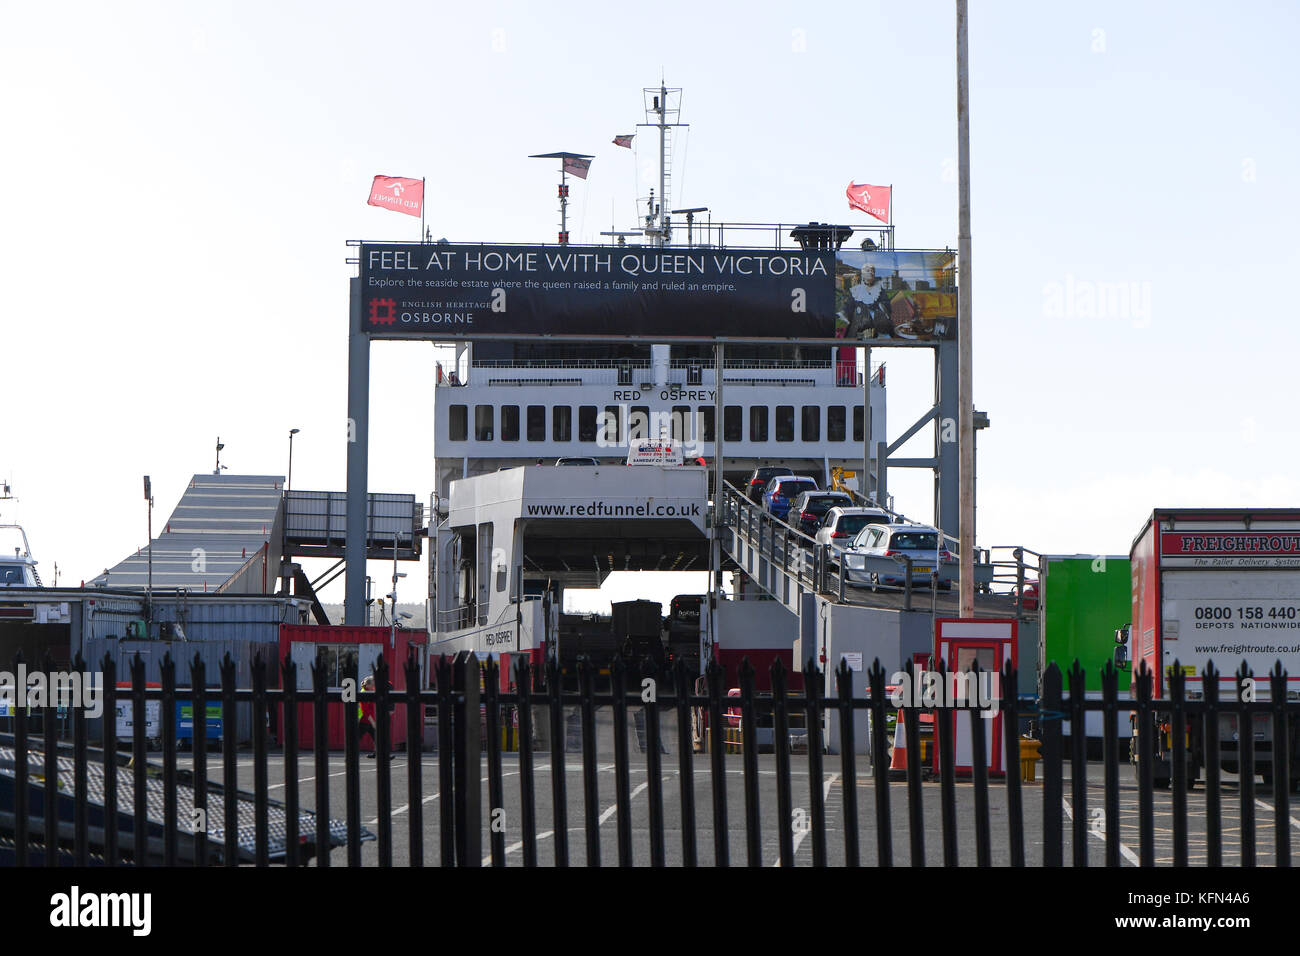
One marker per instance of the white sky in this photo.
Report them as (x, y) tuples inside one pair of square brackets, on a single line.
[(180, 180)]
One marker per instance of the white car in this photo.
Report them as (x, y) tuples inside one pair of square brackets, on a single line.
[(919, 542), (842, 525)]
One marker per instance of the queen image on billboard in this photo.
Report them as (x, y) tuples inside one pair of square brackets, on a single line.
[(906, 294)]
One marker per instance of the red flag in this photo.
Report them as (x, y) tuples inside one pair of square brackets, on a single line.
[(873, 200), (398, 194), (624, 139), (577, 167)]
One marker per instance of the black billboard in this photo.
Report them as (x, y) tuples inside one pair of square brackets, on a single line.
[(443, 291)]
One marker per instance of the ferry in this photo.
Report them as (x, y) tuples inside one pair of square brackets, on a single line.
[(534, 437)]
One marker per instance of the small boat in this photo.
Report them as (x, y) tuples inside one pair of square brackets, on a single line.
[(18, 571)]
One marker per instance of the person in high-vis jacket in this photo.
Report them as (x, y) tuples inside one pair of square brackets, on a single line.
[(366, 714)]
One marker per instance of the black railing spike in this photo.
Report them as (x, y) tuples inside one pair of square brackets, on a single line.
[(1282, 770), (1011, 736), (139, 755), (777, 668), (1110, 753)]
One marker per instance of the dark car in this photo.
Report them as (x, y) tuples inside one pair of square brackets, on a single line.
[(807, 511), (581, 462), (782, 490), (759, 479)]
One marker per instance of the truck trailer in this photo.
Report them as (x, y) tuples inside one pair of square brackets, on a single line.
[(1081, 596), (1220, 586)]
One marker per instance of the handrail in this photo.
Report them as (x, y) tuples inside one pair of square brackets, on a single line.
[(787, 552)]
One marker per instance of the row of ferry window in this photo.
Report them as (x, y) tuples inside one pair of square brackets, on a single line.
[(610, 426)]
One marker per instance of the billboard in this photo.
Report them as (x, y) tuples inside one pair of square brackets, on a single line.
[(444, 291)]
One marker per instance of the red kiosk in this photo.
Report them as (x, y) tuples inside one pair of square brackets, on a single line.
[(990, 643)]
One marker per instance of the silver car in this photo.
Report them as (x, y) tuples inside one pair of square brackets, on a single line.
[(842, 525), (921, 543)]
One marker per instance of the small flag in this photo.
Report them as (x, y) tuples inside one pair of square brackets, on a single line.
[(624, 139), (577, 167), (398, 194), (873, 200)]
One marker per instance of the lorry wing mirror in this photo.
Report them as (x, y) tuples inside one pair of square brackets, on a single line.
[(1121, 645)]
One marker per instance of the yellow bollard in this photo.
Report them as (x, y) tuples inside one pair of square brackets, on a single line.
[(1029, 755)]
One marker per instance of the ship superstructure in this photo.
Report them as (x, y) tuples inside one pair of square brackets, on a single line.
[(533, 433)]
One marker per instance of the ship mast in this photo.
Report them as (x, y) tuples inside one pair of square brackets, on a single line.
[(663, 108)]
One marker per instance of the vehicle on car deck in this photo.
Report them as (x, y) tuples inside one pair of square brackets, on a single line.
[(782, 490), (841, 525), (807, 511), (919, 542)]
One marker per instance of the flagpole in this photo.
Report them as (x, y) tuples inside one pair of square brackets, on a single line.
[(891, 217), (422, 201)]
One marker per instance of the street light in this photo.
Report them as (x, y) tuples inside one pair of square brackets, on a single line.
[(148, 496), (392, 639), (289, 483)]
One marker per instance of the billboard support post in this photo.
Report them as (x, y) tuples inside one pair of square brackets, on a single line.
[(358, 438), (864, 483), (966, 402)]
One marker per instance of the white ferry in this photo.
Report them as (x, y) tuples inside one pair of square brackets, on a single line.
[(511, 530)]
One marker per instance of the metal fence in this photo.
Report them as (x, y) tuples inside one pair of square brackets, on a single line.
[(92, 805)]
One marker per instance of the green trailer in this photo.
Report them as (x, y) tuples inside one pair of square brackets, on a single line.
[(1085, 598)]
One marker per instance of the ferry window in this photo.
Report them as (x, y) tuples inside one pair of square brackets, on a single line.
[(812, 423), (586, 423), (510, 423), (537, 423), (681, 423), (561, 422), (857, 423), (458, 423), (483, 422), (638, 423), (758, 423), (708, 411), (785, 423), (835, 422), (731, 427), (612, 426)]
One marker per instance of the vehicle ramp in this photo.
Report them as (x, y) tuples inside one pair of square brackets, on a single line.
[(37, 774)]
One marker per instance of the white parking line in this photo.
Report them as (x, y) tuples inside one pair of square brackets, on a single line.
[(613, 807), (609, 812), (803, 833), (1124, 851), (1273, 810)]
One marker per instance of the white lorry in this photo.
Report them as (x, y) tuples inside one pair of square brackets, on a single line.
[(1221, 586)]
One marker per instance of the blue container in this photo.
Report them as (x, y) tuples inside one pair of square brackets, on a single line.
[(185, 720)]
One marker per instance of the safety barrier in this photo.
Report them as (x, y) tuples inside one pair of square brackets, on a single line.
[(63, 810)]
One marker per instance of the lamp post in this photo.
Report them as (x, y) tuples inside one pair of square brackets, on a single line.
[(289, 484), (148, 496), (392, 637)]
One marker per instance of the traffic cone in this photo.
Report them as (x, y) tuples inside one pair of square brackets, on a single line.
[(898, 763)]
